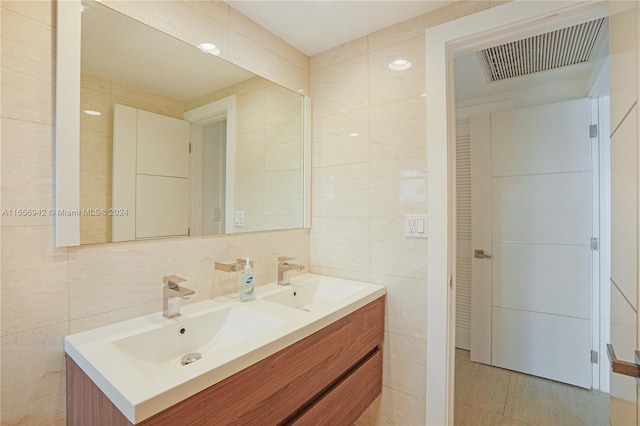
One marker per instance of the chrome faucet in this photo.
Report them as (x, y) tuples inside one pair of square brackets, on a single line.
[(172, 294), (284, 267), (233, 267)]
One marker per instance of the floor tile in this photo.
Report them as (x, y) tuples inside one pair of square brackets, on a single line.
[(480, 385), (486, 396), (508, 421), (468, 415), (538, 401)]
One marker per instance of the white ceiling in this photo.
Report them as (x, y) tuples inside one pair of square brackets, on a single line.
[(571, 82), (191, 73), (313, 26)]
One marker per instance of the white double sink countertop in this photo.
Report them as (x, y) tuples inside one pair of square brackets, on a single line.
[(137, 363)]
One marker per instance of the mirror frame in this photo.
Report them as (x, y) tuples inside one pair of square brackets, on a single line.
[(67, 130), (67, 125)]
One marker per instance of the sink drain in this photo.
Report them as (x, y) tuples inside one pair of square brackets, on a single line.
[(189, 358)]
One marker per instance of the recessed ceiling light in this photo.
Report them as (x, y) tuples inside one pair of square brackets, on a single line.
[(92, 112), (209, 48), (354, 134), (400, 65)]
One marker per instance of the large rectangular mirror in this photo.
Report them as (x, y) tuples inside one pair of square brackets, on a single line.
[(172, 140)]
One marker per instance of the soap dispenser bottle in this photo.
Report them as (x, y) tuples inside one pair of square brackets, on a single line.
[(247, 287)]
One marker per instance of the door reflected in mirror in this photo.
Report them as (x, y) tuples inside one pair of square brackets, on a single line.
[(175, 141)]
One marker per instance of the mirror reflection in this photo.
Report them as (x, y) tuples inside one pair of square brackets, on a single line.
[(175, 141)]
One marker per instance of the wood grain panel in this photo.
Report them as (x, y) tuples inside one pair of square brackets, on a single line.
[(345, 403), (86, 404), (270, 391)]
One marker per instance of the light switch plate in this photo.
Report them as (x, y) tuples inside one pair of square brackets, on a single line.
[(416, 225), (238, 218)]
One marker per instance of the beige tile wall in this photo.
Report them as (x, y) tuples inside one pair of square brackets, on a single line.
[(369, 169), (268, 153), (269, 157), (48, 292)]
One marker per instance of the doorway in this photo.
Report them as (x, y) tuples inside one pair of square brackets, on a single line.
[(532, 211), (443, 43), (209, 219), (213, 152), (531, 171)]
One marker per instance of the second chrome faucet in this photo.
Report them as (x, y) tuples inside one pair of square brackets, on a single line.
[(172, 294), (284, 267)]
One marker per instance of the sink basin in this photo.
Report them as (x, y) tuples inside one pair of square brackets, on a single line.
[(311, 295), (163, 348)]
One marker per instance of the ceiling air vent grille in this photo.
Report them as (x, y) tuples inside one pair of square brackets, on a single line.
[(567, 46)]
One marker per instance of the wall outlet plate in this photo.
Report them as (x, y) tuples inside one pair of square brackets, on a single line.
[(238, 218), (416, 225)]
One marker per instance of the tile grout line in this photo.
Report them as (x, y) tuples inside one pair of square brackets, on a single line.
[(506, 396)]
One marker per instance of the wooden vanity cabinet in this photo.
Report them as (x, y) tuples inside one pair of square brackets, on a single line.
[(327, 378)]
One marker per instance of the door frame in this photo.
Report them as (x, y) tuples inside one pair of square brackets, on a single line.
[(599, 97), (498, 25), (222, 109)]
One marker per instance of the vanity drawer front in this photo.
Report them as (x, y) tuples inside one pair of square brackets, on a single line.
[(274, 389), (344, 403), (86, 404)]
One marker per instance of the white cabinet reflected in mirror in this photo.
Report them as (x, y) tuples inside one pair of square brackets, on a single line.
[(174, 141)]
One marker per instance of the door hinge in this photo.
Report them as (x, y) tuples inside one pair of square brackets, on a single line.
[(189, 147), (594, 357), (594, 244), (593, 131), (188, 232), (451, 281)]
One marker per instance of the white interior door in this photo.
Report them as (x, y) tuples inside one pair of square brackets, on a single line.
[(537, 228), (162, 191), (150, 174), (623, 36), (162, 206)]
